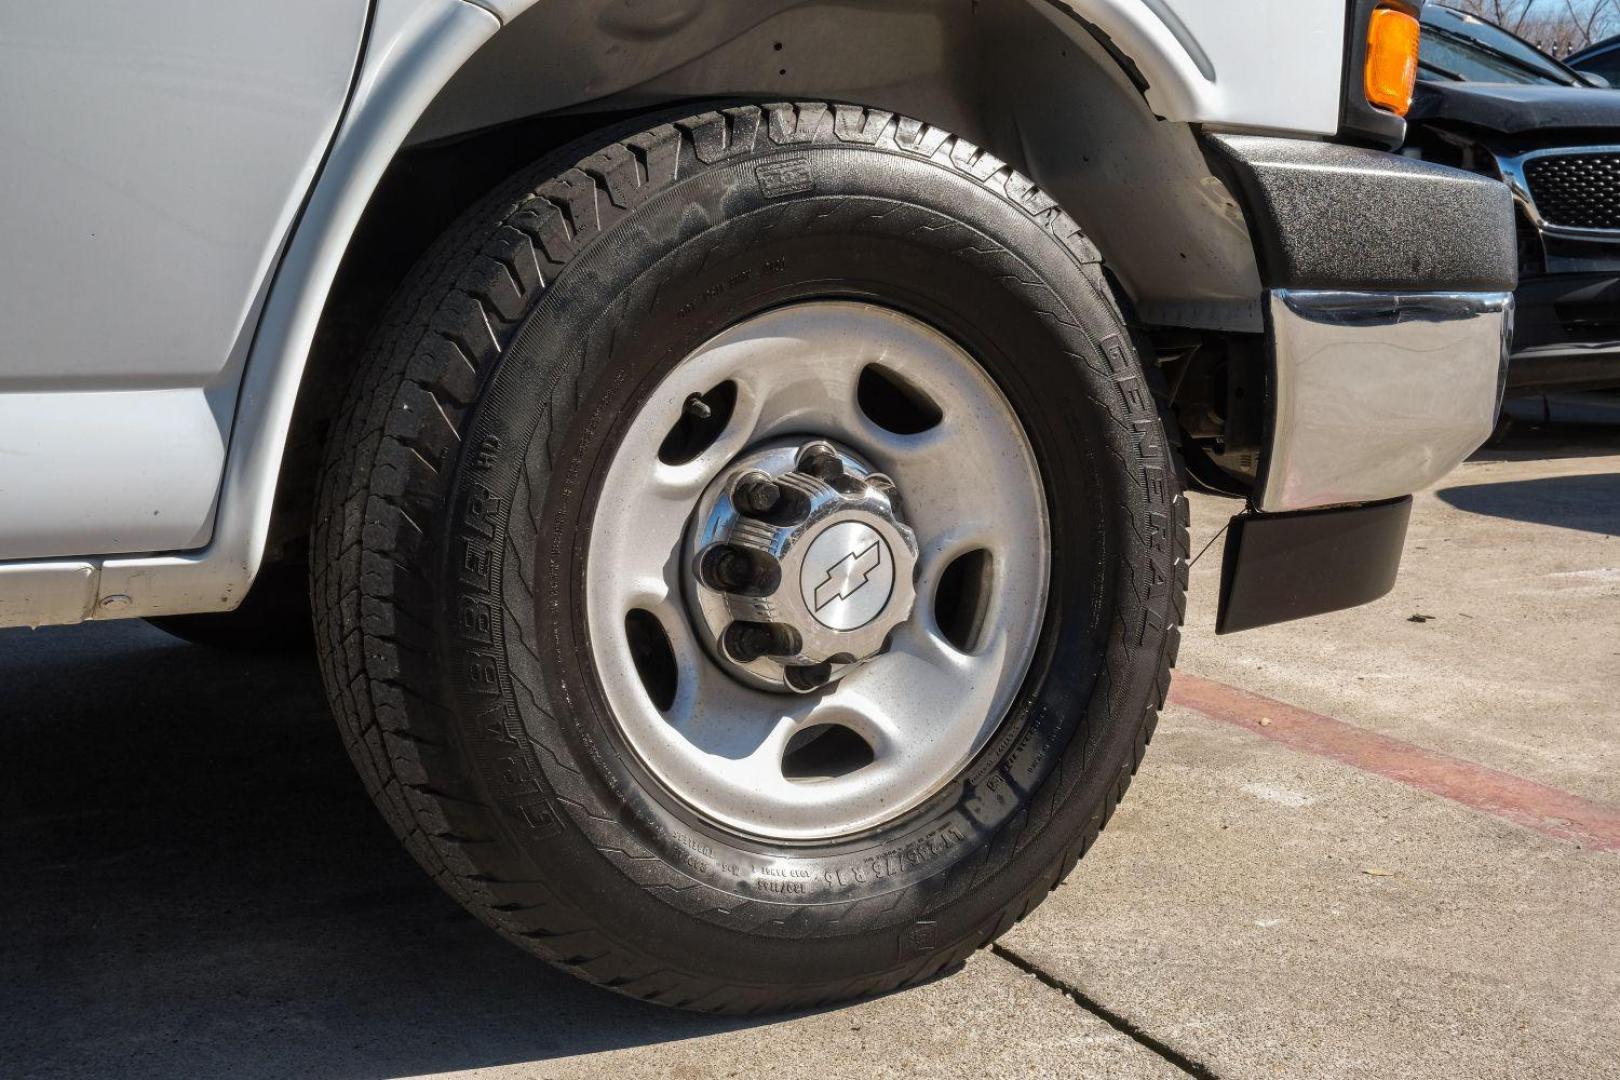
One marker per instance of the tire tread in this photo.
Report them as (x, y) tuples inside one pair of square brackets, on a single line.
[(398, 432)]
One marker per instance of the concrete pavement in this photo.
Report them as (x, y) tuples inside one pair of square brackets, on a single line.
[(197, 886), (1269, 912)]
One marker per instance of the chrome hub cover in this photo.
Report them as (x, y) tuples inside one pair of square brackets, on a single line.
[(801, 566)]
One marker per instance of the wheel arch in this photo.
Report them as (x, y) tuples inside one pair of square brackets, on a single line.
[(1045, 86)]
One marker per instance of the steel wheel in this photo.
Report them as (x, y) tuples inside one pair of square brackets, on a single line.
[(881, 728)]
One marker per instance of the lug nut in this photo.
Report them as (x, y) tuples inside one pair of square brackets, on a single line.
[(727, 569), (821, 461), (731, 569), (807, 677), (756, 494), (748, 641)]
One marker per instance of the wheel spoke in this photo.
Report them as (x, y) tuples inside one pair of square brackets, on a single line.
[(791, 397), (638, 546), (971, 531), (924, 699), (708, 702)]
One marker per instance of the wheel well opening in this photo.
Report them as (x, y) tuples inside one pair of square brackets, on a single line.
[(1000, 73)]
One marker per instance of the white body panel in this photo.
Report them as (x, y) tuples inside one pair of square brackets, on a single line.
[(223, 111), (155, 158), (1263, 64), (111, 470)]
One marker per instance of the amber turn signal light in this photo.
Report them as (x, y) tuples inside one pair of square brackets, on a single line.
[(1392, 59)]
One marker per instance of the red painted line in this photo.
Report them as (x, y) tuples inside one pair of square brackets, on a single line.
[(1523, 802)]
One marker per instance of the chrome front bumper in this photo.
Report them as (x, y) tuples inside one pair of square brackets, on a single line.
[(1376, 395)]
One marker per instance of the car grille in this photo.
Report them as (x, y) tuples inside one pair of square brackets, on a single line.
[(1576, 190)]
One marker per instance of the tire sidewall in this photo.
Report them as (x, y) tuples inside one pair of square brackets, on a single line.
[(724, 244)]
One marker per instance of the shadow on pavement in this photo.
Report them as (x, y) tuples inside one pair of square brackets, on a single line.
[(197, 885), (1590, 503)]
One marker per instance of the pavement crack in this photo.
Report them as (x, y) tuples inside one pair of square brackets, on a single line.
[(1190, 1066)]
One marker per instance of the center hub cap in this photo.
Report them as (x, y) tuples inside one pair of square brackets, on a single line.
[(847, 576), (800, 565)]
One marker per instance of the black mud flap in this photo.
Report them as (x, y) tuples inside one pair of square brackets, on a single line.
[(1278, 567)]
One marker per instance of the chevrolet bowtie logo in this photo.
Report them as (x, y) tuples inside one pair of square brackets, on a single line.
[(849, 575)]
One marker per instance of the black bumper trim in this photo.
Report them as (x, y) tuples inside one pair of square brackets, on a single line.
[(1325, 216), (1567, 334), (1280, 567), (1569, 366)]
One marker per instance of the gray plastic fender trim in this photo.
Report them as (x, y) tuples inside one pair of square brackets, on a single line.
[(1325, 216)]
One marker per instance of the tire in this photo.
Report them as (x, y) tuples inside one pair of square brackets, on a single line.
[(274, 617), (456, 512)]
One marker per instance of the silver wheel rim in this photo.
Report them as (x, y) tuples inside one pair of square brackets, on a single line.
[(925, 706)]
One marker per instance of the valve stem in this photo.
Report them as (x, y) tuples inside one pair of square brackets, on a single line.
[(697, 408)]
